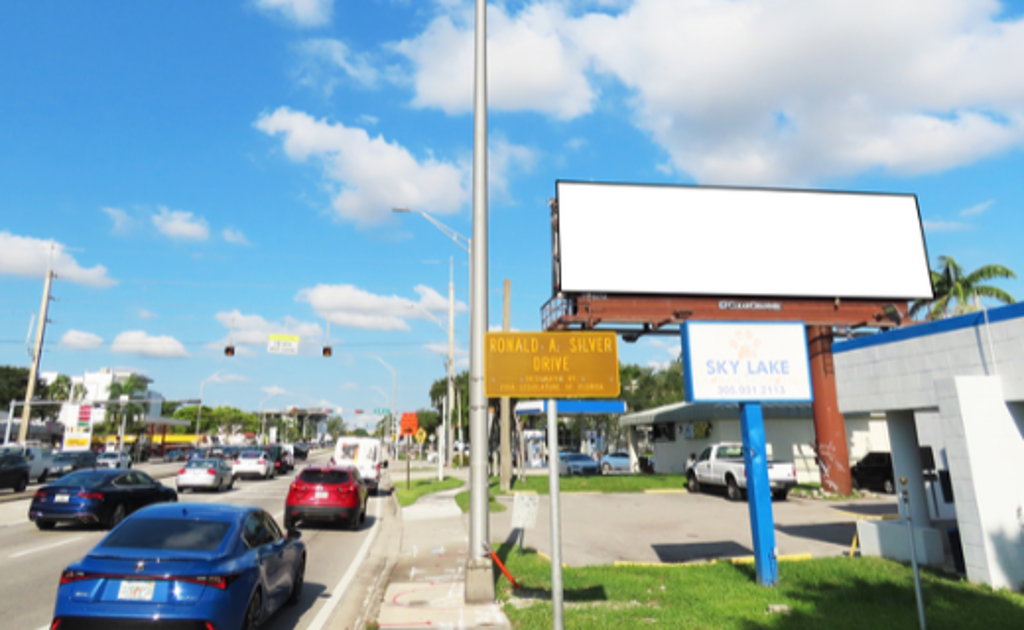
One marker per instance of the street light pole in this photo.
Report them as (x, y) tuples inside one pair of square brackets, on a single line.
[(394, 388)]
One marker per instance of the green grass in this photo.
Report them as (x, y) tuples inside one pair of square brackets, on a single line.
[(604, 483), (834, 593), (420, 487), (462, 498)]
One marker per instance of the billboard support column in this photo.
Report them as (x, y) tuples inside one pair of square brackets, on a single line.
[(557, 622), (829, 424), (759, 493)]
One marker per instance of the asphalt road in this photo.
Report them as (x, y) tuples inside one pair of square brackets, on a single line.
[(31, 561)]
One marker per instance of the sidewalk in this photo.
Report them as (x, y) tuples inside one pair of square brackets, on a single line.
[(427, 582)]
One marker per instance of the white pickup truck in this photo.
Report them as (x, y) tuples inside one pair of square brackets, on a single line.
[(722, 465)]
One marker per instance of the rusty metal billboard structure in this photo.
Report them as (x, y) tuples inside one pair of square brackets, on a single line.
[(641, 259)]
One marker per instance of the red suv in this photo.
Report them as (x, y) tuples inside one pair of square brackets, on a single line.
[(326, 493)]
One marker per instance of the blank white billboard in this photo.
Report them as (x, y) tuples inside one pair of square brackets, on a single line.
[(688, 240)]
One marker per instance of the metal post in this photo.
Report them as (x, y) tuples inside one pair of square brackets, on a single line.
[(506, 411), (10, 419), (905, 497), (33, 372), (447, 457), (441, 445), (199, 411), (759, 493), (556, 518)]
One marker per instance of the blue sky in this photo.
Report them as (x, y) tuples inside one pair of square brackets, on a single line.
[(198, 163)]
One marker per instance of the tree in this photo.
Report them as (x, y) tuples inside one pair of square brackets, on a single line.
[(60, 388), (133, 387), (951, 285), (360, 432), (335, 426)]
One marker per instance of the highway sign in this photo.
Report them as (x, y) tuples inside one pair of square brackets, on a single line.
[(283, 344), (381, 411), (551, 365)]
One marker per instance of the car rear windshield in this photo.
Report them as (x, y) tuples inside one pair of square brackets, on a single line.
[(252, 455), (86, 478), (64, 458), (579, 458), (109, 456), (201, 463), (170, 533), (324, 476)]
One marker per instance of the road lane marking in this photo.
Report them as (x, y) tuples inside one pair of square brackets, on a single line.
[(327, 610), (45, 547)]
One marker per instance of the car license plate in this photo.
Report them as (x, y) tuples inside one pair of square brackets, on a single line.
[(320, 494), (60, 498), (136, 591)]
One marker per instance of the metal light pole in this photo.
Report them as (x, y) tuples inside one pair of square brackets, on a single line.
[(33, 372), (199, 411), (479, 572), (394, 388)]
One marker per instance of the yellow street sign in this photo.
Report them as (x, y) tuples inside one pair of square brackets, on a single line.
[(421, 436), (551, 365)]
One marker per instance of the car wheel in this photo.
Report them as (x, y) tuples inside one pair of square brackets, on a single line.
[(231, 484), (22, 484), (117, 516), (254, 612), (889, 487), (692, 484), (854, 483), (289, 522), (606, 469), (42, 477), (45, 525), (780, 495), (297, 581), (732, 490)]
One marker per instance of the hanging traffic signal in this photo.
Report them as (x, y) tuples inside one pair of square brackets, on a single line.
[(229, 351), (327, 351)]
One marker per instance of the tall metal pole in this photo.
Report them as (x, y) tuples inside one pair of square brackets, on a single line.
[(478, 525), (506, 404), (451, 362), (556, 517), (33, 372), (10, 419)]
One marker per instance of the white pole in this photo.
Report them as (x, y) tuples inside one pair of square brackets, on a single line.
[(556, 517), (446, 454), (10, 419), (33, 372), (440, 447)]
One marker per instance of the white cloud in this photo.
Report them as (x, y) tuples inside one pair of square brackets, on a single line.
[(139, 343), (301, 12), (323, 56), (78, 340), (368, 119), (372, 174), (977, 209), (228, 378), (532, 63), (30, 258), (235, 236), (946, 226), (180, 225), (274, 390), (441, 349), (503, 158), (254, 330), (348, 305), (147, 314), (123, 223)]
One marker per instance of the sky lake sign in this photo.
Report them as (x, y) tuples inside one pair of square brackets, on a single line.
[(551, 365), (746, 361)]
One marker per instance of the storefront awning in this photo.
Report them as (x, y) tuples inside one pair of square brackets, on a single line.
[(691, 412)]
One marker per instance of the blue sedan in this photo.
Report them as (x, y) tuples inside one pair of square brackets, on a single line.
[(615, 462), (184, 565), (104, 496)]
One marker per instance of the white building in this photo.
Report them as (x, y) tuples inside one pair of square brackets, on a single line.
[(96, 386)]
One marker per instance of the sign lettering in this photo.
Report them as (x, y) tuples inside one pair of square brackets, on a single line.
[(552, 365)]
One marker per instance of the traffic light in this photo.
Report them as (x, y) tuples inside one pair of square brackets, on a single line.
[(229, 351), (327, 351)]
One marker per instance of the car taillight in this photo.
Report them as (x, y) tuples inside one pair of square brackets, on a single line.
[(216, 581), (794, 470), (98, 496), (210, 626), (55, 624), (238, 461), (261, 462), (378, 466), (181, 472), (39, 494), (72, 576), (210, 471)]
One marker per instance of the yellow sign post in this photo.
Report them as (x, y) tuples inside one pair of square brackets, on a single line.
[(551, 365)]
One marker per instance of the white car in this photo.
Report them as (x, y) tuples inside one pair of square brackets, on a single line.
[(114, 459), (253, 463), (208, 474)]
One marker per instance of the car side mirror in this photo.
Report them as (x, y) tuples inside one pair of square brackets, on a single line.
[(294, 534)]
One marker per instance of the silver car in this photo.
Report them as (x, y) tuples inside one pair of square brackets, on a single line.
[(207, 474), (114, 459)]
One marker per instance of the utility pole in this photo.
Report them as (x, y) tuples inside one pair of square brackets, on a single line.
[(451, 362), (506, 402), (33, 372), (479, 569)]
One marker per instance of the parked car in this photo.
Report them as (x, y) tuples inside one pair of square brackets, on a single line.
[(39, 459), (68, 462), (874, 471), (364, 454), (615, 462), (254, 464), (207, 474), (192, 565), (723, 465), (14, 471), (104, 496), (175, 455), (577, 464), (114, 459), (326, 493)]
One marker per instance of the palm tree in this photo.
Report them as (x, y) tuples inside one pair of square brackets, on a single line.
[(950, 284), (132, 387)]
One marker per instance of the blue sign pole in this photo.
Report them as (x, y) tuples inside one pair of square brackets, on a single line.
[(759, 493)]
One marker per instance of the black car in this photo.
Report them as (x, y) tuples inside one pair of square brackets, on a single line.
[(64, 463), (103, 495), (14, 472), (280, 458), (175, 455), (301, 450), (874, 471)]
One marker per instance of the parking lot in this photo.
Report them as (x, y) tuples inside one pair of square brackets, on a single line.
[(681, 527)]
